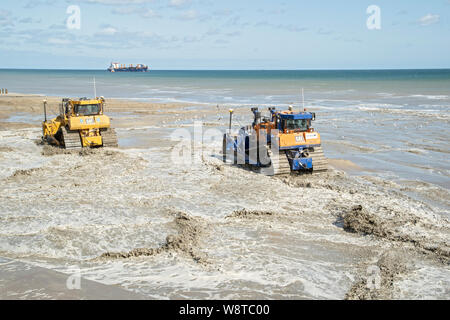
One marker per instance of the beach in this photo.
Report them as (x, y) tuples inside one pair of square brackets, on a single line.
[(134, 218)]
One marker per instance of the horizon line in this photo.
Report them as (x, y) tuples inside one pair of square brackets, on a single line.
[(306, 69)]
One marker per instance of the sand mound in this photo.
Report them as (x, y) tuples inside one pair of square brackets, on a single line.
[(6, 149), (27, 172), (48, 151), (244, 213), (359, 220), (190, 230), (387, 269)]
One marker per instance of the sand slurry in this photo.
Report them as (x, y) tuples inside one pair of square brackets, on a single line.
[(359, 220), (186, 241), (379, 280)]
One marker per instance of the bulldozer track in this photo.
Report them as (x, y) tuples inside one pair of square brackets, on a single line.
[(280, 165), (109, 138), (71, 139), (320, 162)]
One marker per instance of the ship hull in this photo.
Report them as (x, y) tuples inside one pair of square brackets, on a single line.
[(129, 70)]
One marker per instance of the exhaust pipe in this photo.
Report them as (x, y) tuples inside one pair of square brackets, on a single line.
[(45, 110), (231, 118)]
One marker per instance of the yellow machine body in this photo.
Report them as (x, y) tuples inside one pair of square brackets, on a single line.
[(83, 117)]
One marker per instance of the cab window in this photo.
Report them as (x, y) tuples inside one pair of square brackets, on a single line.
[(87, 109), (296, 125)]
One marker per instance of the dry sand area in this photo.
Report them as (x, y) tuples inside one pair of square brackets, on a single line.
[(131, 217)]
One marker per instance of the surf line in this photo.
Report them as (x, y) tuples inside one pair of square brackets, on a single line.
[(191, 310)]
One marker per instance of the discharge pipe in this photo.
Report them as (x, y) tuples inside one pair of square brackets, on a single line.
[(45, 110), (231, 118)]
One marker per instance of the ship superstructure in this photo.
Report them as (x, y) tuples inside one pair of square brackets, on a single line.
[(117, 67)]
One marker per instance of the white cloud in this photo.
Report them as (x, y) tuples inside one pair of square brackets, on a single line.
[(58, 41), (107, 31), (429, 19), (179, 3), (125, 10), (288, 27), (189, 15), (223, 12), (4, 14), (120, 2), (26, 20), (35, 3), (143, 12), (148, 13), (5, 18)]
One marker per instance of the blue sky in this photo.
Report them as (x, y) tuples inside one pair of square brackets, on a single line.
[(207, 34)]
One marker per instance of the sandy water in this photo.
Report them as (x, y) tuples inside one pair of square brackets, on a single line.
[(63, 211)]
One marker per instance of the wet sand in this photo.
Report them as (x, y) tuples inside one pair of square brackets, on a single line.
[(21, 281), (211, 230)]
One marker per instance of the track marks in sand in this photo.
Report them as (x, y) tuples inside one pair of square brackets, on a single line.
[(186, 241)]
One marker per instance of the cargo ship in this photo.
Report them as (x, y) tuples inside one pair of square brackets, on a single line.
[(117, 67)]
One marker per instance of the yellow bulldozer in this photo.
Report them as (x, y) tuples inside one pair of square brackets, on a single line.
[(80, 124)]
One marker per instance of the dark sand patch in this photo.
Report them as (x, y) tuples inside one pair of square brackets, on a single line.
[(6, 149), (244, 213), (27, 172)]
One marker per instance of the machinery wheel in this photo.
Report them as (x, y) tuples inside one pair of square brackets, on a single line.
[(109, 138), (71, 139)]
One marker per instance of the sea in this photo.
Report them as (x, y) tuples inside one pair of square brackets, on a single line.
[(244, 235)]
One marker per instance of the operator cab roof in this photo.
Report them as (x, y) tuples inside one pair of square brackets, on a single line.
[(296, 116), (90, 101)]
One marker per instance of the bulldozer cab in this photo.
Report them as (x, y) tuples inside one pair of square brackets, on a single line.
[(294, 122), (82, 107), (297, 125), (87, 109)]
